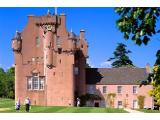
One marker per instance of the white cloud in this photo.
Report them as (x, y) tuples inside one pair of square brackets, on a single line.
[(90, 63), (106, 64), (13, 65)]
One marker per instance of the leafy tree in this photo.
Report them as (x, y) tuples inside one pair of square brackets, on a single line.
[(158, 58), (138, 23), (10, 82), (7, 83), (120, 56), (2, 83), (154, 79)]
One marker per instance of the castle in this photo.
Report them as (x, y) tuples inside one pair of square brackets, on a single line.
[(50, 68), (49, 61)]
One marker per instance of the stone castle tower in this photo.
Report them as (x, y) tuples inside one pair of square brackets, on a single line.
[(49, 61)]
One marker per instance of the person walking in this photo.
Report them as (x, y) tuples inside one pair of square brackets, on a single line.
[(17, 105), (78, 102), (27, 104)]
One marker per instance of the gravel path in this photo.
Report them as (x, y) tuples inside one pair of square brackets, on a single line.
[(132, 111)]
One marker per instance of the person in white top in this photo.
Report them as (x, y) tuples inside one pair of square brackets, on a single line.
[(78, 102), (17, 105)]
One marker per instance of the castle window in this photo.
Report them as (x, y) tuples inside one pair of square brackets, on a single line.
[(37, 41), (76, 71), (35, 82), (59, 50), (58, 42)]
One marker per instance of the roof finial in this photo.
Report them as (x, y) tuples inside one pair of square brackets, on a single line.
[(55, 10), (71, 30)]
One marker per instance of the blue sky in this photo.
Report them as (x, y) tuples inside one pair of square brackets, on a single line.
[(101, 33)]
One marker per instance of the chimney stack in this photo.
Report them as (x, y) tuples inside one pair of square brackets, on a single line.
[(82, 34), (148, 68)]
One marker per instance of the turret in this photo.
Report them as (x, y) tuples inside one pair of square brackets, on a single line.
[(83, 44), (17, 42), (72, 40), (49, 58), (49, 39)]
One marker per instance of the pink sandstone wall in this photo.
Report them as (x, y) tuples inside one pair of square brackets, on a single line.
[(127, 93)]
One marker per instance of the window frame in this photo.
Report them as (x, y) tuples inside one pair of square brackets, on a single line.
[(119, 89), (135, 89), (104, 89), (40, 82)]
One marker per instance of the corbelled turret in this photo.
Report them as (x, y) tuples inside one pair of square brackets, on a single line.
[(17, 42)]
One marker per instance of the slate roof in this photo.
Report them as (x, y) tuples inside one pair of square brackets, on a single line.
[(115, 76)]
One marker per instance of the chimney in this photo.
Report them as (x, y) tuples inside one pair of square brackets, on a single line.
[(63, 19), (148, 68), (82, 34)]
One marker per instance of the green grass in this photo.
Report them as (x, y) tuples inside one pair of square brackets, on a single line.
[(7, 106), (149, 111)]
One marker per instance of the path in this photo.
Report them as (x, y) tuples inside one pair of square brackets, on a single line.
[(132, 111)]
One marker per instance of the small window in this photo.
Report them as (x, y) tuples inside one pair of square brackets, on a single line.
[(37, 41), (104, 89), (58, 42), (135, 89), (59, 50), (76, 70), (120, 104), (81, 46), (119, 89)]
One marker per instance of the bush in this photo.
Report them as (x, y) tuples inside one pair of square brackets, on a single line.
[(141, 101), (88, 97)]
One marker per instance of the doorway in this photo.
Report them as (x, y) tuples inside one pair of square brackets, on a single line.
[(135, 104), (96, 104)]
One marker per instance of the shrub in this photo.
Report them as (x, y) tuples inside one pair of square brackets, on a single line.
[(88, 97), (141, 101)]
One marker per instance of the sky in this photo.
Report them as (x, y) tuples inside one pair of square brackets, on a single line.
[(102, 34)]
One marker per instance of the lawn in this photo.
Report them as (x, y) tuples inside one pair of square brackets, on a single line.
[(7, 106), (149, 111)]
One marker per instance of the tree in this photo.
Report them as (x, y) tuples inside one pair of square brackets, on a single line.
[(141, 101), (137, 23), (154, 79), (7, 83), (2, 83), (10, 82), (110, 99), (120, 56)]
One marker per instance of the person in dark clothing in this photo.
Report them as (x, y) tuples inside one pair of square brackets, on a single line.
[(27, 103)]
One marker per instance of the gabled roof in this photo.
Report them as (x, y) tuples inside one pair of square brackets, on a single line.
[(115, 76)]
